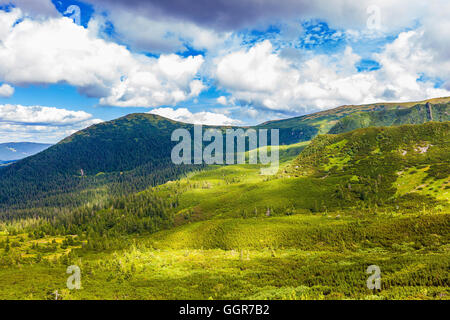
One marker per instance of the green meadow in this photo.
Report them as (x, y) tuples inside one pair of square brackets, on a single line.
[(297, 257), (375, 196)]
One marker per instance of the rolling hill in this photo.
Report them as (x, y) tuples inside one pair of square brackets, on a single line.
[(349, 117), (417, 114), (369, 196), (132, 153), (395, 168)]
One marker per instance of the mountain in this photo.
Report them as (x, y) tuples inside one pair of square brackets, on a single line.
[(130, 152), (18, 150), (406, 164), (403, 168), (133, 152), (126, 155), (373, 196), (348, 117), (417, 114)]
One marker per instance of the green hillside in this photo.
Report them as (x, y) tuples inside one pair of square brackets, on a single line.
[(117, 157), (417, 114), (133, 152), (373, 160), (389, 167), (126, 155), (370, 196), (350, 117), (140, 227)]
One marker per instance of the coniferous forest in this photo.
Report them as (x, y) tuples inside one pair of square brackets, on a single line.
[(356, 187)]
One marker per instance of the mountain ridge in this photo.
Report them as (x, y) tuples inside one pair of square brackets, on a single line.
[(133, 152), (367, 107)]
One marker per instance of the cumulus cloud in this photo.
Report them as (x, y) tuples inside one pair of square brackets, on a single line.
[(262, 77), (161, 35), (7, 20), (25, 123), (430, 38), (265, 80), (57, 50), (6, 90), (41, 115), (42, 133), (168, 80), (203, 117)]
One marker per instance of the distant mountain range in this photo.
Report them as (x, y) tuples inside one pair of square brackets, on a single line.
[(133, 152), (13, 151)]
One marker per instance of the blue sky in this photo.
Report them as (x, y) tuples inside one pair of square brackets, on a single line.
[(209, 63)]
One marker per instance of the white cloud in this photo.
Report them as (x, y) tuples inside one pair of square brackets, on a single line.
[(39, 114), (168, 80), (265, 80), (31, 133), (49, 124), (6, 90), (162, 34), (57, 50), (222, 100), (394, 15), (7, 20), (430, 39), (203, 117)]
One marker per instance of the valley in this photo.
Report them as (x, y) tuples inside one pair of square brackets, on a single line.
[(339, 203)]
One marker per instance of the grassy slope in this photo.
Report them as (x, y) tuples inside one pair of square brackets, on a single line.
[(324, 120), (356, 170), (417, 114), (320, 250), (379, 155), (133, 152)]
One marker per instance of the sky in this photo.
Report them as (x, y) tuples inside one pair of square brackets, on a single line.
[(66, 65)]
